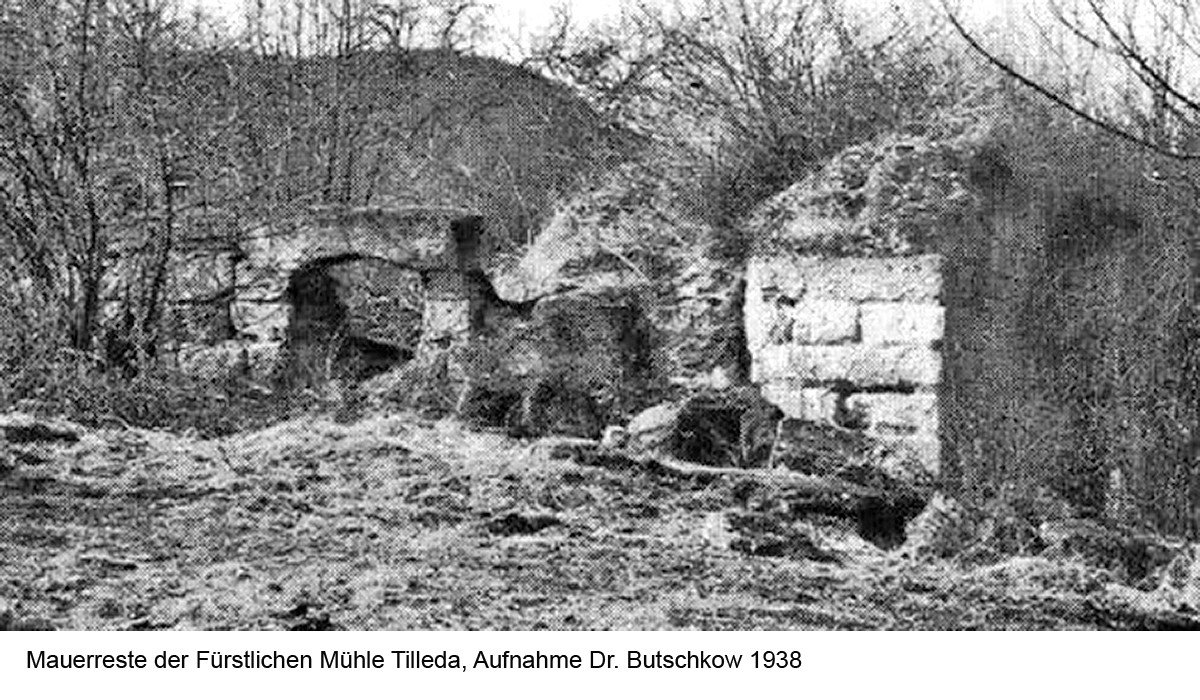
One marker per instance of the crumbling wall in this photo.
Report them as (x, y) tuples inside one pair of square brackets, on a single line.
[(632, 233), (845, 316), (281, 286), (853, 342), (1019, 322)]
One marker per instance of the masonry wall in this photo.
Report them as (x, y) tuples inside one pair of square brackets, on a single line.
[(1038, 358), (285, 309), (854, 342)]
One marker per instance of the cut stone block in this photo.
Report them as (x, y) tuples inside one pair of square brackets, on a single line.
[(894, 414), (901, 323), (766, 324), (866, 366), (775, 276), (805, 403), (772, 362), (824, 322), (915, 279)]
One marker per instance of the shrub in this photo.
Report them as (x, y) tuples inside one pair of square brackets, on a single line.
[(48, 380), (747, 96)]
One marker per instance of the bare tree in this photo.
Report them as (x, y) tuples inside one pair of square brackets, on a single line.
[(1154, 50), (55, 112), (97, 154), (765, 89)]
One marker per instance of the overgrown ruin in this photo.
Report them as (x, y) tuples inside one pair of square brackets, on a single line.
[(937, 319), (1008, 345), (285, 314)]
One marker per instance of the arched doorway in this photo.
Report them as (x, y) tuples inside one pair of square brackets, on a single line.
[(351, 318)]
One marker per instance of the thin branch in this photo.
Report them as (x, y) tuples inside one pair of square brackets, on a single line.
[(1063, 102)]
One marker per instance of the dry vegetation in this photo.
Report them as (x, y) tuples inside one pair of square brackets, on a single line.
[(403, 523)]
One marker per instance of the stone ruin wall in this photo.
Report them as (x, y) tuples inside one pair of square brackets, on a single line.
[(853, 342), (440, 245), (1021, 346)]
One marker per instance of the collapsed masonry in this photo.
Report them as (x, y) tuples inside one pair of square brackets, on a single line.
[(568, 360)]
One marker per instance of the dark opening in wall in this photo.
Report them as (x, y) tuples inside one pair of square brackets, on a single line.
[(351, 319), (733, 429)]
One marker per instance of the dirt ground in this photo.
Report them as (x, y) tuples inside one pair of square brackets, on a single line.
[(403, 523)]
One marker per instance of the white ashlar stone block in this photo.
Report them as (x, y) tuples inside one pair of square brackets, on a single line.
[(766, 324), (779, 274), (804, 403), (914, 279), (902, 323), (824, 322), (772, 362), (867, 366)]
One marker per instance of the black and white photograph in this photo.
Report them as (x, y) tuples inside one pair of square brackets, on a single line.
[(704, 315)]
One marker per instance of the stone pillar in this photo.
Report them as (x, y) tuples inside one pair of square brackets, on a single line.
[(452, 297), (853, 342), (447, 314)]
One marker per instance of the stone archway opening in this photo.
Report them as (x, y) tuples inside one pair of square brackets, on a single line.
[(351, 319), (344, 294)]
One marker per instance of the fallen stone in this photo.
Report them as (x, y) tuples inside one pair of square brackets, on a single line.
[(764, 536), (614, 437), (716, 531), (654, 428), (909, 458), (1179, 580), (1132, 554), (941, 530), (574, 449)]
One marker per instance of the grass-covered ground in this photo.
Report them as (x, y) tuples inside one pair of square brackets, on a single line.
[(400, 523)]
